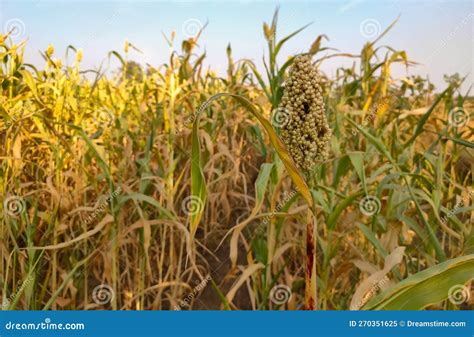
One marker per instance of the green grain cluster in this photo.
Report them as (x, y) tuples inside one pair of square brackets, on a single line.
[(307, 133)]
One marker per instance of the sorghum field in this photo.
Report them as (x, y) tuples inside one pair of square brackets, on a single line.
[(170, 187)]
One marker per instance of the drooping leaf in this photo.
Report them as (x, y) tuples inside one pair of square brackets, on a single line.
[(198, 186)]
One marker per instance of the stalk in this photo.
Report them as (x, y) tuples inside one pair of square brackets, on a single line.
[(306, 134), (310, 271)]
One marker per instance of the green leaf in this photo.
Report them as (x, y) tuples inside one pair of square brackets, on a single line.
[(370, 235), (460, 141), (30, 82), (282, 41), (198, 182), (372, 139), (117, 55), (262, 182), (332, 219), (422, 122), (147, 199), (430, 286), (260, 80), (357, 160), (385, 31)]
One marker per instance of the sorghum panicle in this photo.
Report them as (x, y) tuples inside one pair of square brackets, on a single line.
[(307, 132)]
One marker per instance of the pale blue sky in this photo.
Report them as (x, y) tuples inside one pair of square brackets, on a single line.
[(436, 34)]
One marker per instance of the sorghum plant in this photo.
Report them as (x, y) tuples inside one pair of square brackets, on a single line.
[(306, 136)]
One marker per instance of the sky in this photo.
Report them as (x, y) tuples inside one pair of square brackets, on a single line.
[(438, 35)]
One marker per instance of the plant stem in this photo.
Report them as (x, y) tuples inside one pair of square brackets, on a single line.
[(310, 273)]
